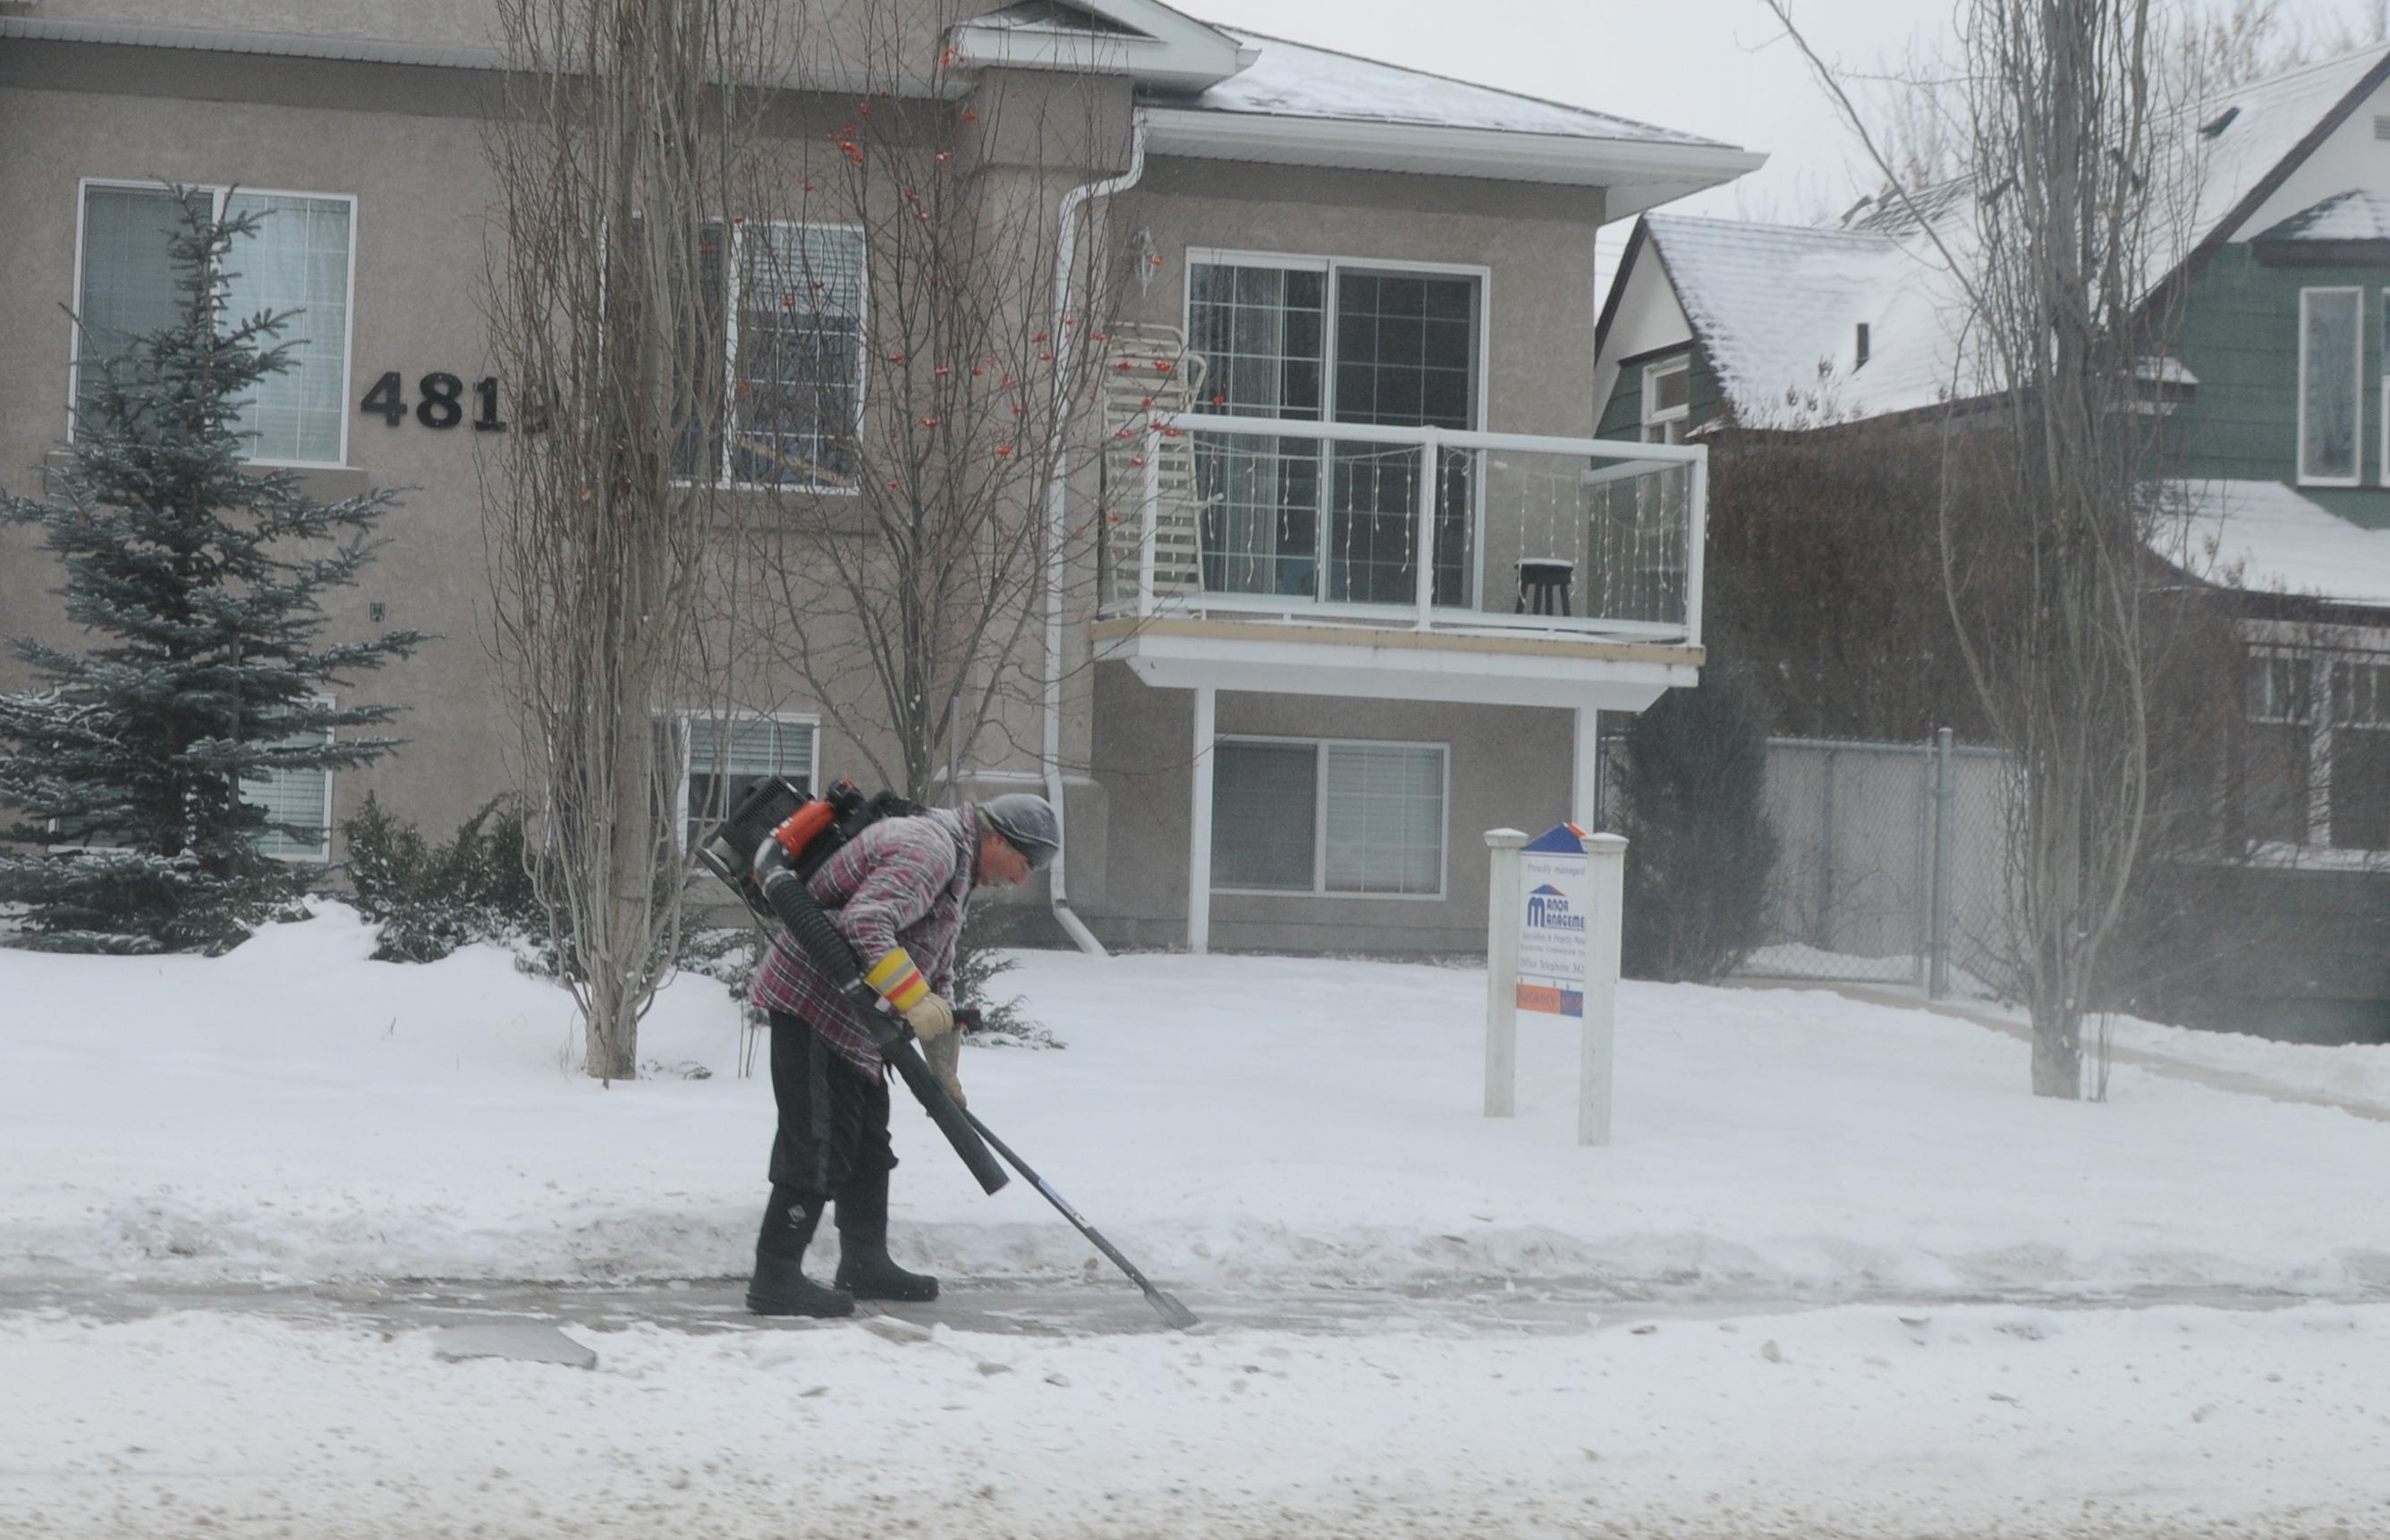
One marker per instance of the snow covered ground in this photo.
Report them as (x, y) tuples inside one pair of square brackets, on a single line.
[(1838, 1273)]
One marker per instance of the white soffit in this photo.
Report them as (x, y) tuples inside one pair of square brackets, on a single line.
[(1393, 674), (1640, 174), (1156, 44)]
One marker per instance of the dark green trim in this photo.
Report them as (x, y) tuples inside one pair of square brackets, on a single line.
[(2321, 253)]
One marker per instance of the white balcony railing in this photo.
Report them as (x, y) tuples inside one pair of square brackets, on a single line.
[(1420, 528)]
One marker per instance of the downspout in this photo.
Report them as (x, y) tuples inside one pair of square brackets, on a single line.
[(1065, 256)]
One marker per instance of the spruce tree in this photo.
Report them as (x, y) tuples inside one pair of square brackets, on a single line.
[(198, 582), (1700, 849)]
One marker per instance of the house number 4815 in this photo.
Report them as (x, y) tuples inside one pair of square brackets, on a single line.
[(440, 401)]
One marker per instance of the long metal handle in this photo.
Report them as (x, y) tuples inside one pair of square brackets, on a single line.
[(1166, 1305)]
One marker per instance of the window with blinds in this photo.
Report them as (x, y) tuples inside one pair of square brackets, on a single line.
[(297, 804), (1333, 817), (797, 365), (723, 756), (790, 335), (297, 259), (1385, 818)]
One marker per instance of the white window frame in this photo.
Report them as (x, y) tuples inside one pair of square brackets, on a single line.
[(1333, 266), (1669, 421), (730, 721), (2357, 385), (2381, 470), (219, 193), (1319, 889), (322, 855), (733, 276)]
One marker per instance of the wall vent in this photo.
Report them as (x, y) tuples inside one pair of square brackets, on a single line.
[(2381, 125)]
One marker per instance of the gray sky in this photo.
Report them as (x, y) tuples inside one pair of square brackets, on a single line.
[(1720, 69)]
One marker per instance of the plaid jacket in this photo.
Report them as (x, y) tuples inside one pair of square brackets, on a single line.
[(901, 882)]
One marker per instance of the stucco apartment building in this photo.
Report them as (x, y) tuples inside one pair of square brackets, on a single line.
[(1387, 628)]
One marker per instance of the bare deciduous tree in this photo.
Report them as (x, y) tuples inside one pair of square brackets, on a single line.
[(907, 553), (2081, 186), (624, 127), (2075, 196)]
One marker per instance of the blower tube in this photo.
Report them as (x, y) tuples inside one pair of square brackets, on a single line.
[(794, 905)]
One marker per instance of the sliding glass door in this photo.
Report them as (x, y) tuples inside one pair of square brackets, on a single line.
[(1306, 341)]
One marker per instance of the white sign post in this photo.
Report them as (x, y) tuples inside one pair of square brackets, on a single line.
[(1502, 971), (1607, 855), (1551, 948)]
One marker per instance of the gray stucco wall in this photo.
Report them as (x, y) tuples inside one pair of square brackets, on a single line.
[(1508, 766)]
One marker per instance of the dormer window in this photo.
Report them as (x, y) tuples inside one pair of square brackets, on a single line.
[(1667, 399)]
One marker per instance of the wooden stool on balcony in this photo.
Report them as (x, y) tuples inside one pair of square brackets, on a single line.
[(1544, 584)]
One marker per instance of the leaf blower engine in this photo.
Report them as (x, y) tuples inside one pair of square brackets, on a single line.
[(803, 830)]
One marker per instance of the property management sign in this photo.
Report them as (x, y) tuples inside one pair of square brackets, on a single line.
[(1558, 893)]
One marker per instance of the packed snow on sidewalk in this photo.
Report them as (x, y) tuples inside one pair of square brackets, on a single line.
[(1245, 1128)]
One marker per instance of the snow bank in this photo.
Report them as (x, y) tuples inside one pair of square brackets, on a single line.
[(293, 1111)]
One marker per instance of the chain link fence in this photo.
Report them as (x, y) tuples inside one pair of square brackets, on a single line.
[(1890, 864)]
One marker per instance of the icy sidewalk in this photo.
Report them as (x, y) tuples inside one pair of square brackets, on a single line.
[(293, 1112)]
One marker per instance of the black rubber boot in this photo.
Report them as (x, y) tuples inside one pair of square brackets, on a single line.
[(780, 1286), (864, 1268)]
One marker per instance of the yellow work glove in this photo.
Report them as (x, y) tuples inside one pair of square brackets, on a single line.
[(945, 1055), (901, 984)]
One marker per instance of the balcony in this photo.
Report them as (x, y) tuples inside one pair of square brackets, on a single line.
[(1338, 558)]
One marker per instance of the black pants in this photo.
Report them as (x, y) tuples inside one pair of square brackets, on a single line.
[(833, 1133)]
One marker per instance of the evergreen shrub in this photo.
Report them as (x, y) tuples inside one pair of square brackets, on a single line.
[(431, 899), (203, 659), (1701, 850)]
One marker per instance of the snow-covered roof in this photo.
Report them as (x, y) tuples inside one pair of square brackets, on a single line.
[(2262, 122), (1296, 80), (1777, 308), (2271, 540), (2352, 215), (1292, 104)]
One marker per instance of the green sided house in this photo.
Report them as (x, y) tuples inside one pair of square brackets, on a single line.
[(2278, 404)]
